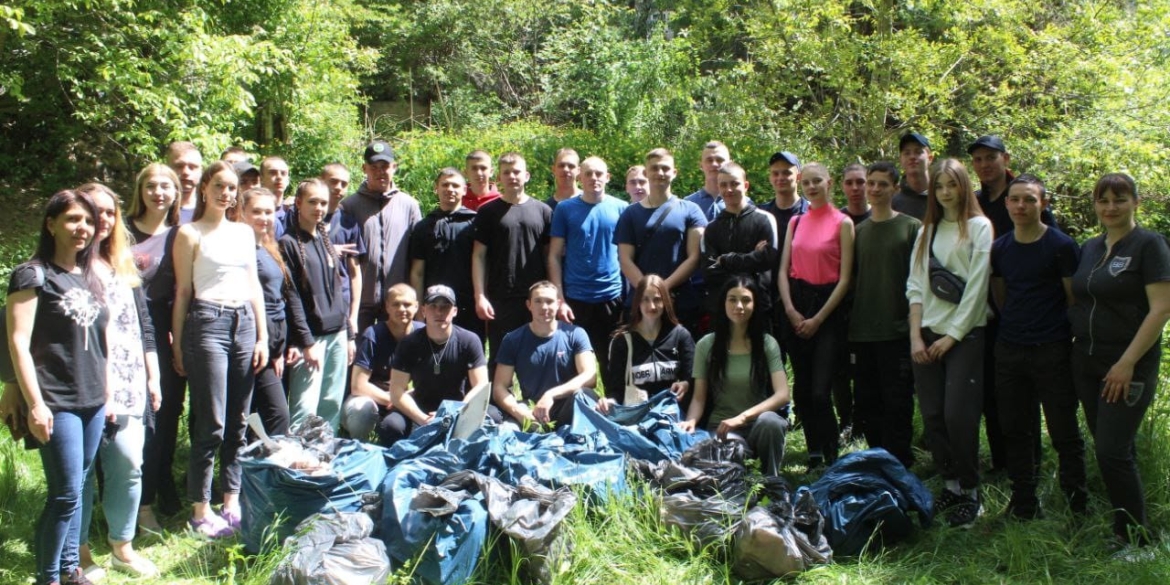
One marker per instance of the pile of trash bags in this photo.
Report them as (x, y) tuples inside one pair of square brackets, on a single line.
[(438, 502)]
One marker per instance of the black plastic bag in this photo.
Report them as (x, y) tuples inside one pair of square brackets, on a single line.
[(334, 549)]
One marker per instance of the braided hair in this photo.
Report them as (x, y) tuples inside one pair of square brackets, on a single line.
[(332, 258)]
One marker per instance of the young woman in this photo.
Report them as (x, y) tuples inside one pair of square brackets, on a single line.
[(317, 382), (132, 379), (56, 324), (1122, 292), (153, 215), (220, 341), (738, 368), (946, 337), (815, 268), (258, 209), (662, 351)]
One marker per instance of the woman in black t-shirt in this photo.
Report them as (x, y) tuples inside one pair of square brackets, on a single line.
[(56, 321), (662, 350), (1122, 292)]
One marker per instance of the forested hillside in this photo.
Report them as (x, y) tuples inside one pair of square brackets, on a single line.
[(95, 88)]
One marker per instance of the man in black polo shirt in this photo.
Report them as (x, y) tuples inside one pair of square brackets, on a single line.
[(444, 362), (915, 156)]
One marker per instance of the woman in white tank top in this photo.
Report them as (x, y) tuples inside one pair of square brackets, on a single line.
[(220, 339)]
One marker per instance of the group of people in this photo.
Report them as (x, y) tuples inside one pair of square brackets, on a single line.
[(303, 304)]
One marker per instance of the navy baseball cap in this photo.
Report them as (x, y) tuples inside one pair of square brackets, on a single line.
[(439, 292), (378, 150), (913, 137), (785, 156), (989, 141)]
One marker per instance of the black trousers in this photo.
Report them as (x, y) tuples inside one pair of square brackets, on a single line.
[(950, 397), (815, 362), (268, 397), (884, 389), (1024, 376), (599, 321), (159, 449), (510, 314)]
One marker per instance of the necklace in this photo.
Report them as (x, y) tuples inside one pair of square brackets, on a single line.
[(438, 358)]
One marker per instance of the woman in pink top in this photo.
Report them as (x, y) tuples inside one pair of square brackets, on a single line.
[(815, 267)]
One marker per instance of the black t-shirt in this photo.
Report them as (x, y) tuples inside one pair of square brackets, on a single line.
[(439, 372), (655, 366), (1111, 291), (443, 241), (515, 236), (68, 342), (1034, 311), (152, 255)]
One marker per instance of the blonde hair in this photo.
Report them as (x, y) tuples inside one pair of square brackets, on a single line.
[(115, 249)]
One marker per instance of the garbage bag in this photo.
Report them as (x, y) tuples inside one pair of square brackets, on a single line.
[(531, 515), (334, 549), (768, 546), (431, 436), (444, 530), (707, 520), (269, 490), (646, 431), (866, 494)]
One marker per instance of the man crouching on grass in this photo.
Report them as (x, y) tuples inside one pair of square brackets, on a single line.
[(552, 361)]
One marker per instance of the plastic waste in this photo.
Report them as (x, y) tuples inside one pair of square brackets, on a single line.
[(334, 549)]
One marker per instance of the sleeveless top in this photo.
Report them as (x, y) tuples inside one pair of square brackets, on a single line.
[(222, 265), (816, 245)]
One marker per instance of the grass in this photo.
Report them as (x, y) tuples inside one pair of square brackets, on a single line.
[(623, 541)]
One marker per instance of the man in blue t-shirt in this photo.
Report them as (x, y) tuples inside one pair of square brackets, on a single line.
[(552, 361), (582, 258), (1032, 268), (661, 235)]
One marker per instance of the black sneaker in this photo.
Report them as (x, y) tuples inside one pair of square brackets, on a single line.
[(75, 577), (965, 512), (1078, 501), (944, 500)]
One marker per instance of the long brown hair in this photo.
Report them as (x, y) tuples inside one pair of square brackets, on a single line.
[(648, 280), (968, 207), (210, 172), (267, 242)]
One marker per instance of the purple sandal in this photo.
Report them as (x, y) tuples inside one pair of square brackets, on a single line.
[(211, 526)]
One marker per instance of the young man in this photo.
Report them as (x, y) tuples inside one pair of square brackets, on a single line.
[(249, 175), (990, 160), (583, 260), (233, 155), (185, 160), (915, 156), (440, 249), (346, 235), (661, 235), (441, 361), (636, 183), (784, 176), (477, 168), (274, 177), (552, 361), (714, 154), (879, 329), (386, 216), (853, 180), (509, 254), (741, 239), (566, 168), (369, 401), (1032, 268)]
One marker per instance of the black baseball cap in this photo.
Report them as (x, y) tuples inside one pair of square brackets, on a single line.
[(989, 141), (439, 292), (913, 137), (378, 150), (785, 156), (244, 167)]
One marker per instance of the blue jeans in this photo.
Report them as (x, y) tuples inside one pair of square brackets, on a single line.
[(67, 459), (217, 352), (122, 473)]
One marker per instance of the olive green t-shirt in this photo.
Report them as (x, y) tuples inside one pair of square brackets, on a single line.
[(881, 259), (737, 394)]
